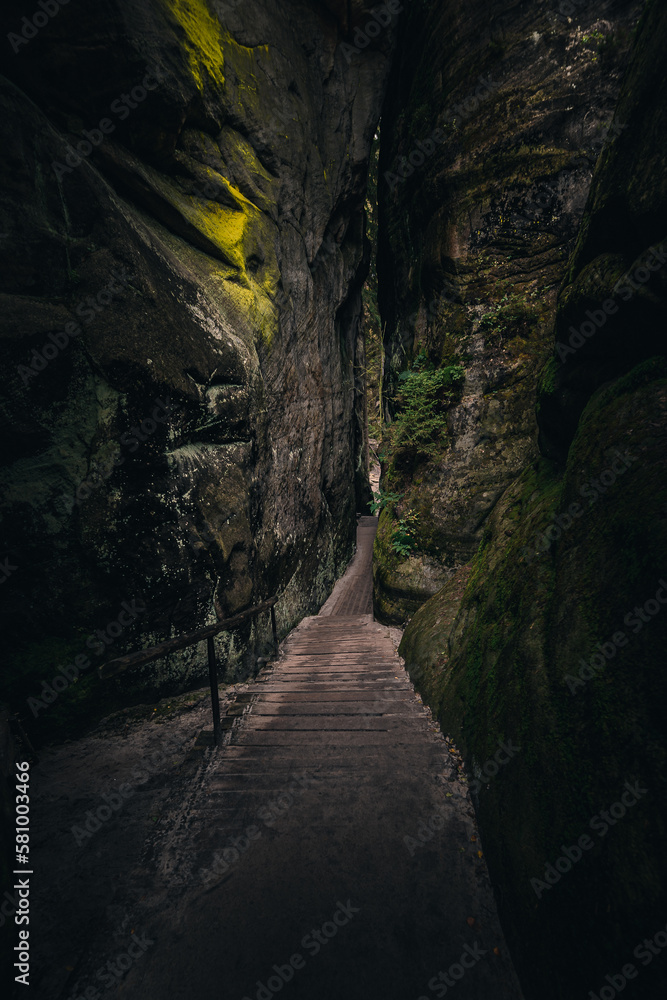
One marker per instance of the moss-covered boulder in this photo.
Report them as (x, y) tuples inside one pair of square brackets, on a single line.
[(557, 645)]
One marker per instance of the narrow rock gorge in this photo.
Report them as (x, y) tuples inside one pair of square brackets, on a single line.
[(188, 189)]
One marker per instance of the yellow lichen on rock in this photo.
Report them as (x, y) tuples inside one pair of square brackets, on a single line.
[(210, 47), (203, 38), (245, 239)]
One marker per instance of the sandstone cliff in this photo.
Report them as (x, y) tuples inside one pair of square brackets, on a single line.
[(494, 119), (182, 254), (552, 636)]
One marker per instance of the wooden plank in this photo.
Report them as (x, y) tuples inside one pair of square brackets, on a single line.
[(343, 697), (328, 723), (340, 709), (247, 738)]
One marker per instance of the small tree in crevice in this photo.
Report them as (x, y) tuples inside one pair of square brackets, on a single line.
[(425, 393)]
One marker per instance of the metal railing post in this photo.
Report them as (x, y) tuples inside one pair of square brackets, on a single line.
[(273, 626), (143, 656), (215, 698)]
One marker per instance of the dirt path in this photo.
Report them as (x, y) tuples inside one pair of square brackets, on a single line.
[(297, 857)]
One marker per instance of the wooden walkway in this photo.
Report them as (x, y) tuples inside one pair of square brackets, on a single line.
[(300, 869)]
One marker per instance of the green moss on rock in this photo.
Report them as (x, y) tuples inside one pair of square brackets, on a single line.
[(539, 604)]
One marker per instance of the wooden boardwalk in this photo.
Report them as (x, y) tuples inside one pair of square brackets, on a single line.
[(300, 868)]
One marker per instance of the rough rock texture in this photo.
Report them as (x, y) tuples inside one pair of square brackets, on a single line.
[(611, 308), (557, 642), (215, 219), (494, 118)]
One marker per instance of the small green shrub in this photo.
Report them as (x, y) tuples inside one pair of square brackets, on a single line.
[(404, 535), (422, 400), (384, 499), (513, 316)]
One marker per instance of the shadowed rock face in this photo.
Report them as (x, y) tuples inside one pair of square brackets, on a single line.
[(611, 307), (554, 635), (495, 117), (182, 253)]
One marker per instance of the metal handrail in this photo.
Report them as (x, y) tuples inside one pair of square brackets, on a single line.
[(207, 632)]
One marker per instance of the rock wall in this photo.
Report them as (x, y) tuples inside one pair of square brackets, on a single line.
[(495, 116), (182, 255), (552, 638)]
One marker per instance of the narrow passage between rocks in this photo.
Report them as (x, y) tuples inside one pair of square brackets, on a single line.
[(330, 848)]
